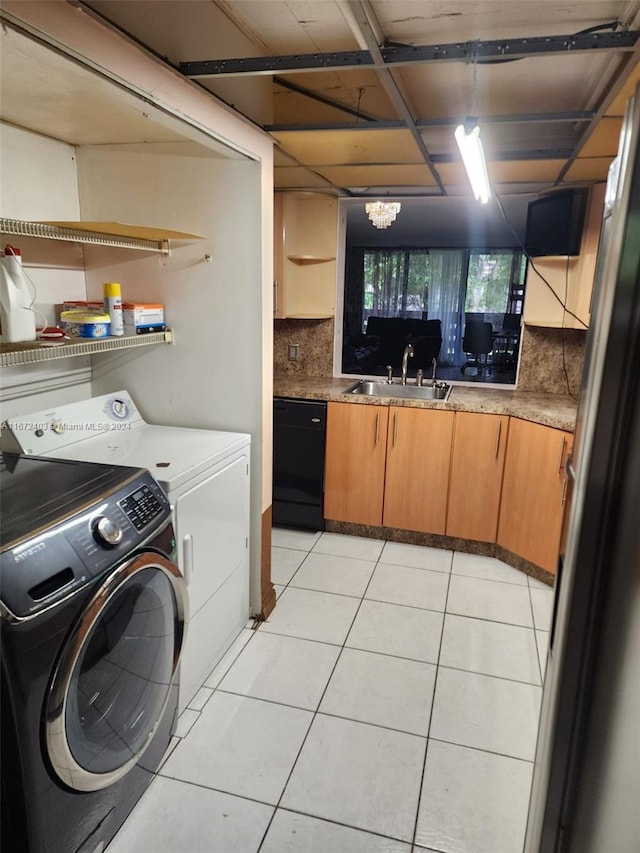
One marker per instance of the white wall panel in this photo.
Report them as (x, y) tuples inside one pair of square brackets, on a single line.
[(212, 377), (37, 177)]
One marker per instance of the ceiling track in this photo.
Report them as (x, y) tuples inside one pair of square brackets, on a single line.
[(397, 55), (383, 124), (364, 25)]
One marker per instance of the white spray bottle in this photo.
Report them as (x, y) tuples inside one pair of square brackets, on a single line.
[(17, 320)]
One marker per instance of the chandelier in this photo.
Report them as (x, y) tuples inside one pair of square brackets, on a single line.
[(382, 213)]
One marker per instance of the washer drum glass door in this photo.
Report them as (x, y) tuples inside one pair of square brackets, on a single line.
[(114, 677)]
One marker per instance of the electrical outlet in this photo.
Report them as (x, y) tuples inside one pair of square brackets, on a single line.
[(294, 352)]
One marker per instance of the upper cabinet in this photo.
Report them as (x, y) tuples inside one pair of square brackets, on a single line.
[(305, 233), (570, 277)]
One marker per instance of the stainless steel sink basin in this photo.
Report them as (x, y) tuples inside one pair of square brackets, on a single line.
[(371, 388)]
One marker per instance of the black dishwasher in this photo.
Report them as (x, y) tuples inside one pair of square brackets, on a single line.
[(298, 463)]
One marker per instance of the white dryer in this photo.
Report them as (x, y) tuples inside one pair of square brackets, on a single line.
[(205, 474)]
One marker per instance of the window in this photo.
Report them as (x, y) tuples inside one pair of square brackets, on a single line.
[(429, 292)]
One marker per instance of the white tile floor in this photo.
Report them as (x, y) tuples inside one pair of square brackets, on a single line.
[(389, 704)]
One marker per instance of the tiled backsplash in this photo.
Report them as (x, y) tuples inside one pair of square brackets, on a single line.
[(315, 347), (546, 354)]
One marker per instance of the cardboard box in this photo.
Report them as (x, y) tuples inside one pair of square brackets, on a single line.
[(143, 317)]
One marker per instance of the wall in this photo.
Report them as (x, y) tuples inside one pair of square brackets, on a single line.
[(208, 378), (39, 180)]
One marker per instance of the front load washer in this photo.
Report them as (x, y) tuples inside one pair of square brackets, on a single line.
[(205, 474), (92, 619)]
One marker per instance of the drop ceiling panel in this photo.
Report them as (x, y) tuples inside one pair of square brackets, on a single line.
[(295, 27), (537, 171), (297, 177), (604, 139), (592, 169), (358, 90), (331, 147), (372, 176), (530, 172), (619, 104), (508, 140), (531, 85), (439, 21)]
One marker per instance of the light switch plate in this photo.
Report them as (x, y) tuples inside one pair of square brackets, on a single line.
[(294, 352)]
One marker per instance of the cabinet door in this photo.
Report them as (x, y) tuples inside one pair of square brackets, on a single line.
[(533, 492), (309, 240), (477, 463), (355, 461), (418, 454)]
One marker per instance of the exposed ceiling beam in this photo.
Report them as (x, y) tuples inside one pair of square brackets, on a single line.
[(477, 51), (361, 19)]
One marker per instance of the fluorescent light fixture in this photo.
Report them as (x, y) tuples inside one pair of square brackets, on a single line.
[(472, 152)]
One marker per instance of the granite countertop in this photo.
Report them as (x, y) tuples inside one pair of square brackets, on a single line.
[(554, 410)]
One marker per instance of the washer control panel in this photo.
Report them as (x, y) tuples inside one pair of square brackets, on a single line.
[(141, 507), (38, 571)]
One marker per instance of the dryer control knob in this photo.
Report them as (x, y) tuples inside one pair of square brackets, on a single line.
[(106, 532)]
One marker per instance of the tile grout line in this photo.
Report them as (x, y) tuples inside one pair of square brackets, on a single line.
[(535, 636), (315, 713), (433, 700)]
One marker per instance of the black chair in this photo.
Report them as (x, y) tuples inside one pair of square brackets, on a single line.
[(507, 341), (478, 343)]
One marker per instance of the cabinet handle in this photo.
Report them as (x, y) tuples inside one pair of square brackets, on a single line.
[(561, 460), (377, 427), (564, 491), (395, 428), (498, 433), (275, 297), (187, 556)]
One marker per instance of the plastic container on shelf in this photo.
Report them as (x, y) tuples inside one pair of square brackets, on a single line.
[(113, 306), (17, 319), (86, 324)]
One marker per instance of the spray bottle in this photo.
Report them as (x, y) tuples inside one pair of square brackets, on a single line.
[(17, 318), (113, 306)]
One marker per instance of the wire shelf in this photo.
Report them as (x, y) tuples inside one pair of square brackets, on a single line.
[(39, 352), (22, 228)]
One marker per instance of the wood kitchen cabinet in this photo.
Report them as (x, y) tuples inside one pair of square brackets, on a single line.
[(304, 254), (387, 466), (534, 492), (355, 462), (475, 485), (417, 476)]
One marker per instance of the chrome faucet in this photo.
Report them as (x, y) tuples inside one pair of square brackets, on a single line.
[(408, 353), (434, 364)]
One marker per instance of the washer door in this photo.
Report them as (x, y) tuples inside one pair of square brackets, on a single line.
[(113, 681)]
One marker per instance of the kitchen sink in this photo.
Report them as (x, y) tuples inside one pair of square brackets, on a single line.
[(371, 388)]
